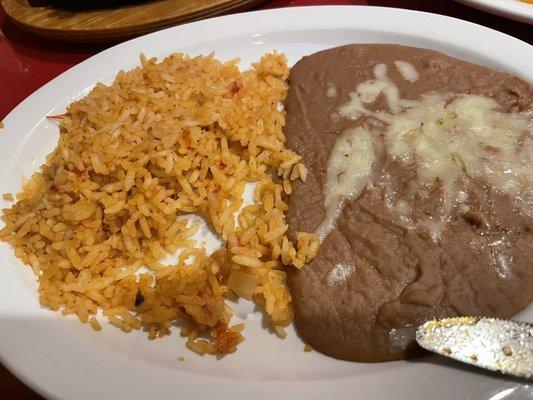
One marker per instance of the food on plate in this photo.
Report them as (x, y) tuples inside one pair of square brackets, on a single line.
[(420, 189), (164, 140), (409, 178)]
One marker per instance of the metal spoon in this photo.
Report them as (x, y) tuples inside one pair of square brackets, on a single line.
[(490, 343)]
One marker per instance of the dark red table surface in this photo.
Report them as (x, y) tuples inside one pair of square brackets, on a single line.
[(27, 62)]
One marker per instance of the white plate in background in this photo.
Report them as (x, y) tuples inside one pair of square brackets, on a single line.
[(512, 9), (63, 359)]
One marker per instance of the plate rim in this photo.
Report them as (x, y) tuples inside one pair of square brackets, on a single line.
[(294, 13), (516, 12)]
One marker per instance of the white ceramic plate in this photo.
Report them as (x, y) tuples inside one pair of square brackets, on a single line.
[(63, 359), (513, 9)]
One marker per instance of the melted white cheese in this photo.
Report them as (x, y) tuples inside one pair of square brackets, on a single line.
[(332, 90), (407, 70), (339, 273), (390, 90), (368, 91), (450, 138), (466, 138), (349, 168)]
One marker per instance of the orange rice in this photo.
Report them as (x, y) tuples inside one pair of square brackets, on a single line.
[(185, 135)]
